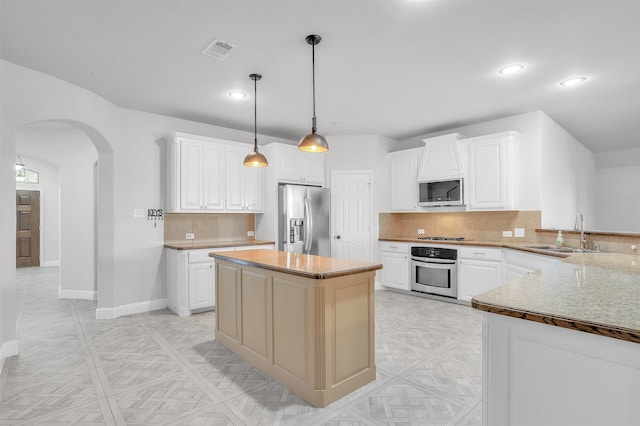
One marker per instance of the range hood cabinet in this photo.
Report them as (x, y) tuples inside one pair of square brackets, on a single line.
[(442, 158)]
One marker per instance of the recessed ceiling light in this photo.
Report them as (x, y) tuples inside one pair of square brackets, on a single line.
[(237, 94), (511, 69), (573, 81)]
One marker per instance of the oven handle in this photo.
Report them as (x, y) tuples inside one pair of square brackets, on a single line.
[(434, 261)]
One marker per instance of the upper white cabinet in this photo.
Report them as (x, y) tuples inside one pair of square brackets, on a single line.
[(442, 158), (200, 175), (207, 175), (295, 166), (491, 172), (244, 185), (403, 167)]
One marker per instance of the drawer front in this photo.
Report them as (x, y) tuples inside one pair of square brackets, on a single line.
[(394, 247), (480, 253), (200, 256)]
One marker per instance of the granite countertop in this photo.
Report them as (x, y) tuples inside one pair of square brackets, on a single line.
[(193, 245), (597, 293), (478, 243), (304, 265)]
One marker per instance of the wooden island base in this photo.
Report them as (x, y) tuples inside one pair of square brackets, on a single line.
[(314, 335)]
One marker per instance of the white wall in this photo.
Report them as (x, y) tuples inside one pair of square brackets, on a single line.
[(618, 206), (568, 178), (49, 187), (618, 190), (529, 127), (364, 152), (130, 164)]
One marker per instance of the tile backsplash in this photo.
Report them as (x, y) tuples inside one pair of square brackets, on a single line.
[(481, 226), (208, 226)]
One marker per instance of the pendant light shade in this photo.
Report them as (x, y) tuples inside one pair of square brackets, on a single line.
[(313, 142), (255, 159)]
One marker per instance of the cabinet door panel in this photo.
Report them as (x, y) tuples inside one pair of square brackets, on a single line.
[(313, 168), (191, 175), (477, 276), (235, 179), (201, 285), (395, 271), (254, 189), (213, 176), (404, 183), (289, 166)]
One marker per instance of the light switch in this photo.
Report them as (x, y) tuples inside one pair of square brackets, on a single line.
[(190, 236), (420, 231), (138, 213), (250, 233), (518, 232), (507, 234)]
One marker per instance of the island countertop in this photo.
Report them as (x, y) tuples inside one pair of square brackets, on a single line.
[(597, 293), (304, 265)]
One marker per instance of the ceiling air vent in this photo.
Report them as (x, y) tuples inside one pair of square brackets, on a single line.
[(218, 49)]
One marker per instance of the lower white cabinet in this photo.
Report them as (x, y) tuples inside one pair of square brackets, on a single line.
[(395, 265), (479, 270), (191, 278)]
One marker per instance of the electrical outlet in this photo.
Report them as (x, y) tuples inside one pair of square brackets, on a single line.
[(421, 231), (190, 236), (518, 232), (250, 233), (508, 234), (138, 213)]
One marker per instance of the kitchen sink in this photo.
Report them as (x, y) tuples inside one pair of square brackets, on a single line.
[(565, 249)]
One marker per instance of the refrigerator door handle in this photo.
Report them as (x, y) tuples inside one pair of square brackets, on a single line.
[(308, 225)]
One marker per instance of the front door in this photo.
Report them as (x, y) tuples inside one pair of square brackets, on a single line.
[(27, 228), (351, 214)]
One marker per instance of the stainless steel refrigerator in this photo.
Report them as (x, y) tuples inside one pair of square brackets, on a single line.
[(303, 219)]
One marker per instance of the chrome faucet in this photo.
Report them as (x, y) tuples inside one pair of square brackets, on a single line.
[(579, 226)]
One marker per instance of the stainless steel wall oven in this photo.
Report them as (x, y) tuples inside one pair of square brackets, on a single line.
[(434, 270)]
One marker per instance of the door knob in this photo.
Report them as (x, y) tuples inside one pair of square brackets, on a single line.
[(337, 237)]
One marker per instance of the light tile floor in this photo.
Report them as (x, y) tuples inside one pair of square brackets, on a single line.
[(157, 368)]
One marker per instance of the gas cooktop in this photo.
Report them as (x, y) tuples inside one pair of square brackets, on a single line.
[(442, 238)]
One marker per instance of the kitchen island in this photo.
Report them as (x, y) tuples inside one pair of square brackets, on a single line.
[(307, 321), (562, 345)]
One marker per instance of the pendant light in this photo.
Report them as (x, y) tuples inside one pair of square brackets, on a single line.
[(313, 142), (255, 159)]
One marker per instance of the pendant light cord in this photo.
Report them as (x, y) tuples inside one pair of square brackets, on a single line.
[(313, 73), (255, 115)]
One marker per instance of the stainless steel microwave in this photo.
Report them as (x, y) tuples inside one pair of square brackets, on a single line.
[(436, 193)]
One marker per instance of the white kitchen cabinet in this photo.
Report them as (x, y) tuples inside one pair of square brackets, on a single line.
[(295, 166), (395, 265), (201, 175), (479, 270), (441, 158), (403, 167), (491, 172), (191, 278), (518, 263), (207, 175), (244, 185)]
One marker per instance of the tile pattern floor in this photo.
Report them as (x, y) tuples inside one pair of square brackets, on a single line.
[(157, 368)]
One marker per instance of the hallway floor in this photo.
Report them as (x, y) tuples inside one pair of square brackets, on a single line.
[(157, 368)]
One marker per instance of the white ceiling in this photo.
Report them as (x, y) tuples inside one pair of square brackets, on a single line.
[(396, 68)]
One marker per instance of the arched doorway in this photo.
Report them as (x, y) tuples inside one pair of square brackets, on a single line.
[(103, 218)]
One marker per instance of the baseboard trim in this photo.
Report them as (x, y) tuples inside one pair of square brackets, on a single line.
[(50, 263), (77, 294), (8, 348), (130, 309)]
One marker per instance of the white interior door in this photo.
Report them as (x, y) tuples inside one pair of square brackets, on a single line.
[(351, 214)]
